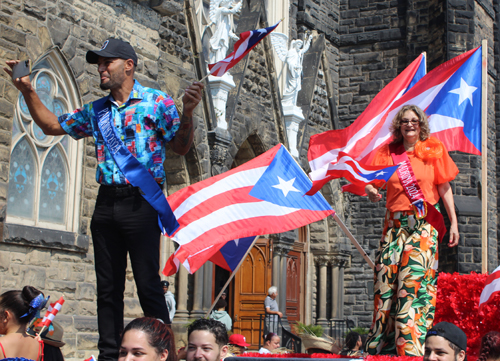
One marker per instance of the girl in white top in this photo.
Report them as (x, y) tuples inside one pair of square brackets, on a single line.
[(271, 342)]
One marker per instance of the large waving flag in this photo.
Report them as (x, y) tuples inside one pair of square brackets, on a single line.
[(324, 148), (360, 175), (491, 287), (450, 95), (265, 195), (248, 40)]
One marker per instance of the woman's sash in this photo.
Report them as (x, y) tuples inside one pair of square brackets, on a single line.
[(133, 170), (422, 208)]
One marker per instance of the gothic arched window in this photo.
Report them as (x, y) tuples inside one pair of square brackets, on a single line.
[(45, 171)]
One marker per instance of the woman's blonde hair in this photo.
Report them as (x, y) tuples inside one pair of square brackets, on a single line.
[(395, 128)]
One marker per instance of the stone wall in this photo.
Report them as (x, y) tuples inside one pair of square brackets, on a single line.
[(30, 28)]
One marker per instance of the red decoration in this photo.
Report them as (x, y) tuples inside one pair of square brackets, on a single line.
[(457, 303)]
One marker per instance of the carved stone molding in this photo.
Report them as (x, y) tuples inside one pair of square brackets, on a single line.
[(281, 249), (220, 88), (219, 141), (339, 261), (321, 260)]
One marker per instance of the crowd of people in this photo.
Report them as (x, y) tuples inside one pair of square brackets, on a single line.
[(131, 128), (151, 339)]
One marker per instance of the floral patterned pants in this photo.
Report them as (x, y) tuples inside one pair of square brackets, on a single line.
[(405, 287)]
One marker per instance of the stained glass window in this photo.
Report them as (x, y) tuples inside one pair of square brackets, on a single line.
[(53, 188), (22, 172), (40, 191)]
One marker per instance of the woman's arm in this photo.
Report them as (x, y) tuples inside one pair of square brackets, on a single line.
[(447, 196)]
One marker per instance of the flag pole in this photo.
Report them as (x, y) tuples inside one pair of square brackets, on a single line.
[(484, 156), (206, 76), (231, 277), (353, 241)]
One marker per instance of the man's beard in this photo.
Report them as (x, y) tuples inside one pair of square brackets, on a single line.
[(107, 86), (114, 80)]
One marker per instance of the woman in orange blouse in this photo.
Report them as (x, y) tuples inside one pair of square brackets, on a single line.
[(406, 263)]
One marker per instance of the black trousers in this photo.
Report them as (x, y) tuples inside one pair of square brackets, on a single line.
[(124, 221)]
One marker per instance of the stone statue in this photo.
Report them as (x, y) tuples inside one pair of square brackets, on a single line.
[(221, 15), (293, 58)]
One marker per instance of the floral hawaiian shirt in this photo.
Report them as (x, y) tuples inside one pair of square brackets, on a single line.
[(145, 122)]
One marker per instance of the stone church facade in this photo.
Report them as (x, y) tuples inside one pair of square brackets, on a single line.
[(48, 188)]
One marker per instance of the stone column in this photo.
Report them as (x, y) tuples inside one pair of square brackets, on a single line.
[(282, 289), (207, 285), (181, 288), (335, 290), (197, 311), (340, 299), (276, 267), (323, 264)]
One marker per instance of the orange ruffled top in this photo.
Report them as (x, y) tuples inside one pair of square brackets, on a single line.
[(432, 165)]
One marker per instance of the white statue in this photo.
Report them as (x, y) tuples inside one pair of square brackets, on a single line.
[(221, 15), (293, 58)]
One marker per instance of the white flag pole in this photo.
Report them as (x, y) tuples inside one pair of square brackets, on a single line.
[(484, 155), (353, 241)]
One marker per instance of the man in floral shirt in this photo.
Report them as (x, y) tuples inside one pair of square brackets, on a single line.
[(145, 120)]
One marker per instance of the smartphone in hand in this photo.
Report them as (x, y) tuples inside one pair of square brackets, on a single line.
[(23, 68)]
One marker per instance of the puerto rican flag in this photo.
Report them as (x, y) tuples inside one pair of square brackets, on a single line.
[(450, 95), (491, 287), (231, 254), (360, 175), (324, 148), (263, 196), (248, 40)]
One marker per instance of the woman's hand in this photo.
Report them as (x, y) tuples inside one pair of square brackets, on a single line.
[(447, 195), (454, 236), (372, 193)]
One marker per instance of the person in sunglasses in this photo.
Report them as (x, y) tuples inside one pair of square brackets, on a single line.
[(406, 263)]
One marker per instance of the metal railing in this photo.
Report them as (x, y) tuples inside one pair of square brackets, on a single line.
[(338, 329), (273, 324)]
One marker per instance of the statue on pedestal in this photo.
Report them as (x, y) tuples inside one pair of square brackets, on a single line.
[(221, 15), (293, 58)]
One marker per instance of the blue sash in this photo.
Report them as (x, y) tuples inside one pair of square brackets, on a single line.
[(133, 170)]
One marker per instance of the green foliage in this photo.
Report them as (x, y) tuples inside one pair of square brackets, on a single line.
[(316, 330), (360, 330)]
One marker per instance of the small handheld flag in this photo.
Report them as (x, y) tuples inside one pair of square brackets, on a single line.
[(51, 313), (248, 41), (360, 175)]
